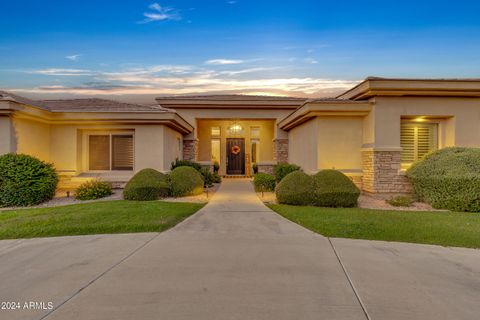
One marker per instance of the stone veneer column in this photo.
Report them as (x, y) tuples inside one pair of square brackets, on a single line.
[(381, 172), (280, 150), (190, 149)]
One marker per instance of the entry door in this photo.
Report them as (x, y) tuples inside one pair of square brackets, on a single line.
[(235, 156)]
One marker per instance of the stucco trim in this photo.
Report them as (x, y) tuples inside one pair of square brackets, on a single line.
[(371, 87), (324, 108), (170, 119)]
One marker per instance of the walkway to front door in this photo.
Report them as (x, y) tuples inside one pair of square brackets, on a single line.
[(236, 259)]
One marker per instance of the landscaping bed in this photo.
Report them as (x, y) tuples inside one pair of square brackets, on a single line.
[(459, 229), (94, 218)]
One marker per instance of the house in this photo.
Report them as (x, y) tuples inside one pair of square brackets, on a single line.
[(372, 132)]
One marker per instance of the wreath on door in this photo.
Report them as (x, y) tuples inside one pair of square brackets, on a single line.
[(235, 150)]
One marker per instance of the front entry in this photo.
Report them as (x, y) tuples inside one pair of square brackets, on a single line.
[(235, 156)]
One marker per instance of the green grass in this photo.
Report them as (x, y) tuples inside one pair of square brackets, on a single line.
[(94, 218), (441, 228)]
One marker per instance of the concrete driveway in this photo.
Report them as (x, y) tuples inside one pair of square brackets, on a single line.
[(236, 259)]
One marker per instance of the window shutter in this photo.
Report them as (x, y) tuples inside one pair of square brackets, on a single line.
[(407, 142), (122, 152), (416, 140), (99, 152)]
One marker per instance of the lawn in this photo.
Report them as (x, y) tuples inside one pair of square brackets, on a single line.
[(94, 218), (441, 228)]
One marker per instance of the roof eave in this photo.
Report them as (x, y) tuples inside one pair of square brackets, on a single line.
[(317, 109)]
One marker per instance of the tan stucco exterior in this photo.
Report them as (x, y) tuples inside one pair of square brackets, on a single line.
[(357, 132)]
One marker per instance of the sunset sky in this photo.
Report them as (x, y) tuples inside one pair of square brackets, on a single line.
[(135, 50)]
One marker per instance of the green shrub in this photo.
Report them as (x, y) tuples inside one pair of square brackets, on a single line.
[(264, 182), (185, 163), (147, 184), (255, 168), (216, 167), (334, 189), (25, 180), (216, 178), (185, 181), (400, 201), (208, 177), (282, 169), (295, 189), (93, 189), (448, 179)]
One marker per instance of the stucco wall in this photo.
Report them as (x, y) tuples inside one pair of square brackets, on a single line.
[(155, 146), (149, 152), (302, 146), (339, 143), (194, 114), (32, 137), (7, 144), (458, 119), (172, 147)]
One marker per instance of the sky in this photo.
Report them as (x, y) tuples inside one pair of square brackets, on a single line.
[(137, 50)]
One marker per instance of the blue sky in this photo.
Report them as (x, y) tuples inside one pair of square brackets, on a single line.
[(140, 49)]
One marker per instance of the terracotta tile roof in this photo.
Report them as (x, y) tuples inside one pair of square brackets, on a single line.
[(83, 105)]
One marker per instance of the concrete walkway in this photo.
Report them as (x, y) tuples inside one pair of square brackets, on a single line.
[(236, 259)]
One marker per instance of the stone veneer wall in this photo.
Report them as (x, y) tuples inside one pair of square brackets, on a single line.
[(381, 172), (190, 150), (280, 150)]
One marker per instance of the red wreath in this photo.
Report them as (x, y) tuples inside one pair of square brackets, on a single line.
[(235, 150)]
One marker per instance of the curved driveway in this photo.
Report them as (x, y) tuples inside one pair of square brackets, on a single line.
[(236, 259)]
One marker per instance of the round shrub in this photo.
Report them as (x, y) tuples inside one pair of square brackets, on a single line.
[(25, 180), (264, 182), (296, 189), (331, 188), (93, 189), (186, 181), (147, 184), (282, 169), (448, 179)]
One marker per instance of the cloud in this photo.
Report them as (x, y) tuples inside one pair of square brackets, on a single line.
[(310, 60), (73, 57), (159, 13), (223, 61), (63, 72), (179, 79)]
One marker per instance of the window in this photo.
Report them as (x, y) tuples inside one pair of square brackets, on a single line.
[(255, 150), (255, 132), (215, 131), (216, 150), (110, 152), (416, 140)]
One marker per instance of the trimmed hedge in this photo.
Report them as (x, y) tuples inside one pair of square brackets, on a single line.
[(185, 181), (282, 169), (146, 185), (295, 189), (25, 180), (334, 189), (93, 189), (264, 182), (448, 179), (185, 163)]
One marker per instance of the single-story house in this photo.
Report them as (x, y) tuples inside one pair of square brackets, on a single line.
[(372, 132)]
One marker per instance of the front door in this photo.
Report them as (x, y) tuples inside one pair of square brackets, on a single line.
[(235, 156)]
